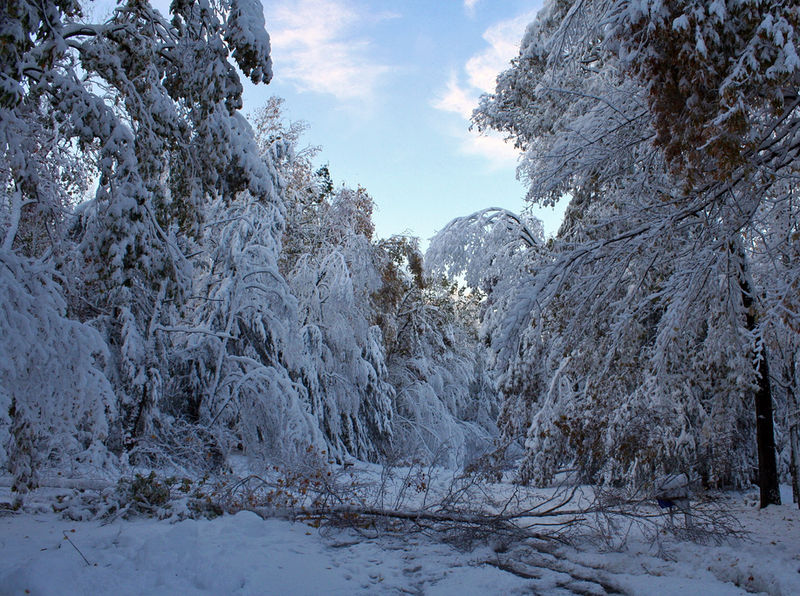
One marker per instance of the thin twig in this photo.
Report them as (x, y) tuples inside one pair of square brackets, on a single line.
[(88, 564)]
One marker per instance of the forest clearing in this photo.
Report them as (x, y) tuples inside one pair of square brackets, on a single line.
[(219, 375)]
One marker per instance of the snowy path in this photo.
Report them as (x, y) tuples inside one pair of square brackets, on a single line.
[(244, 554)]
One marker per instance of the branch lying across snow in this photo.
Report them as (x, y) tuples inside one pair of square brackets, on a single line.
[(462, 509)]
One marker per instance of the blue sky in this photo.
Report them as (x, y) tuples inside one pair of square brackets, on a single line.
[(387, 88)]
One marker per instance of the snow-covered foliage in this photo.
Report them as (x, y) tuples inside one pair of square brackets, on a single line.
[(389, 367), (446, 407), (481, 246), (636, 345), (214, 292), (177, 285), (345, 370), (53, 388), (132, 98), (232, 373), (729, 69)]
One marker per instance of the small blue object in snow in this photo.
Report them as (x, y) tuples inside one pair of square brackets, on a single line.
[(672, 492)]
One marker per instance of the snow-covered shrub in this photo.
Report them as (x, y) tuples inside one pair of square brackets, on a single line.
[(237, 352), (51, 371)]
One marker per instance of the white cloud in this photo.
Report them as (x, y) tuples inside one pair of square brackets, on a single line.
[(469, 6), (463, 90), (318, 46), (491, 147), (456, 98), (503, 39)]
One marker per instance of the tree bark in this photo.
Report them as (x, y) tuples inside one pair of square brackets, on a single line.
[(765, 437), (793, 423), (794, 438), (765, 434)]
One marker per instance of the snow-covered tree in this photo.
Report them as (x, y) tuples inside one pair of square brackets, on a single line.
[(334, 282), (233, 373), (214, 290), (55, 400), (653, 270), (445, 405), (150, 105)]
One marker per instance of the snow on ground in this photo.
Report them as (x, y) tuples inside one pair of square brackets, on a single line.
[(43, 554), (238, 554), (766, 561)]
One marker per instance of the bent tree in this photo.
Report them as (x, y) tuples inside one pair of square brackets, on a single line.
[(673, 129), (148, 107)]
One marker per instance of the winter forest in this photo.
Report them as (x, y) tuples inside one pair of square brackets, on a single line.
[(197, 323)]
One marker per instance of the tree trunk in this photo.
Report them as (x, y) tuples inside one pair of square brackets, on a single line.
[(765, 435), (793, 424), (794, 464)]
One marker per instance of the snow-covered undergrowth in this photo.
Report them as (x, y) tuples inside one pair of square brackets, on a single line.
[(267, 534)]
